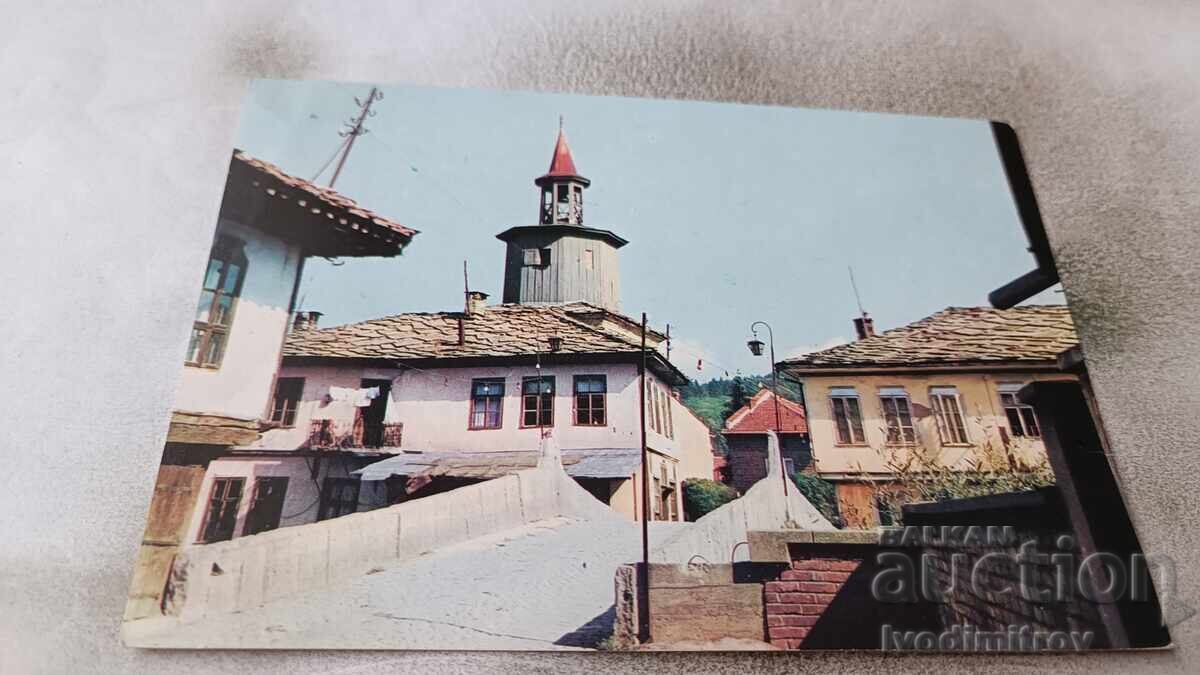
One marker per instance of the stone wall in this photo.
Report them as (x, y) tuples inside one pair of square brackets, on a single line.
[(249, 571), (695, 602), (720, 535)]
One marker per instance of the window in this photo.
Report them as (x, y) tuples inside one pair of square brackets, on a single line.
[(589, 259), (658, 410), (537, 402), (218, 298), (1021, 419), (266, 506), (590, 393), (670, 419), (533, 257), (487, 399), (847, 416), (948, 411), (287, 400), (223, 503), (339, 497), (789, 466), (897, 416)]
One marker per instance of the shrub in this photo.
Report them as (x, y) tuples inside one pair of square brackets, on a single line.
[(702, 495), (820, 493)]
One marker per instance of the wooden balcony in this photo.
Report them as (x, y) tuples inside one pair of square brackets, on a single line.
[(332, 435)]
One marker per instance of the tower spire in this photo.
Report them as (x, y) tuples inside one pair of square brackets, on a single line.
[(562, 186)]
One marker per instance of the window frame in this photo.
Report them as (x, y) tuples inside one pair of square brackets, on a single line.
[(471, 426), (901, 438), (844, 398), (217, 482), (229, 251), (1016, 407), (936, 399), (591, 397), (541, 398), (280, 414), (249, 527)]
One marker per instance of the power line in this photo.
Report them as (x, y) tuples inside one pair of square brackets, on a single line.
[(356, 129)]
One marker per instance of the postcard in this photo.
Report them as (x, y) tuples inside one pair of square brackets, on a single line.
[(499, 370)]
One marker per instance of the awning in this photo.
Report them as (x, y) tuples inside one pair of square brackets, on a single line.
[(578, 463)]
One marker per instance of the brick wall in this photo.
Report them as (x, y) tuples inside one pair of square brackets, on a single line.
[(747, 460), (821, 599), (802, 594)]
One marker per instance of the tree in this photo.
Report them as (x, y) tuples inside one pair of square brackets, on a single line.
[(701, 495), (737, 398)]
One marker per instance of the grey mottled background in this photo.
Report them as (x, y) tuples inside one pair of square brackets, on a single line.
[(117, 121)]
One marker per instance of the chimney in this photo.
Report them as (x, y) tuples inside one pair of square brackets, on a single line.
[(864, 326), (306, 321), (476, 302)]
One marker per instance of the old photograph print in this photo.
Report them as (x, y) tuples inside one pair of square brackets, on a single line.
[(523, 371)]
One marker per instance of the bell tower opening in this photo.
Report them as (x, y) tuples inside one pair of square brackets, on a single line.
[(562, 187)]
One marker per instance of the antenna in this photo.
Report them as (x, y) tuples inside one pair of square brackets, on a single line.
[(466, 290), (854, 286)]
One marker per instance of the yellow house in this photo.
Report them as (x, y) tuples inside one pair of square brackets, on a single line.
[(934, 396)]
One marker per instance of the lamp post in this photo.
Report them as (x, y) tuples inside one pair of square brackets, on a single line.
[(756, 348)]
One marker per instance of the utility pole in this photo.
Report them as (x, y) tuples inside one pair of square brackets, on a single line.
[(644, 586), (356, 128)]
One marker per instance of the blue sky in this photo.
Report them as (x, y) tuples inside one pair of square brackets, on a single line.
[(734, 213)]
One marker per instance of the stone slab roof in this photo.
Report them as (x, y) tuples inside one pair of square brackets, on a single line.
[(1034, 334), (495, 331)]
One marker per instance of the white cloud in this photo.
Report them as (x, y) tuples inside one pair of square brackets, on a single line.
[(808, 349)]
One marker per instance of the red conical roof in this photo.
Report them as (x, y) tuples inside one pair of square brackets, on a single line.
[(562, 164)]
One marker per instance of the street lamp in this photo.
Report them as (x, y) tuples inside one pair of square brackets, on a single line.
[(756, 348)]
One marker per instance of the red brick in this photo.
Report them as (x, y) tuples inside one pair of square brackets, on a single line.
[(788, 632), (809, 609), (844, 565), (835, 577), (777, 621), (782, 586), (798, 598), (772, 598), (811, 565), (818, 587), (783, 609), (796, 575), (797, 620)]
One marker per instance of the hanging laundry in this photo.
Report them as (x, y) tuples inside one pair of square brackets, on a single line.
[(360, 398)]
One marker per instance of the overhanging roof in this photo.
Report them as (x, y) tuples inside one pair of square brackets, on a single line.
[(323, 221), (561, 230)]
